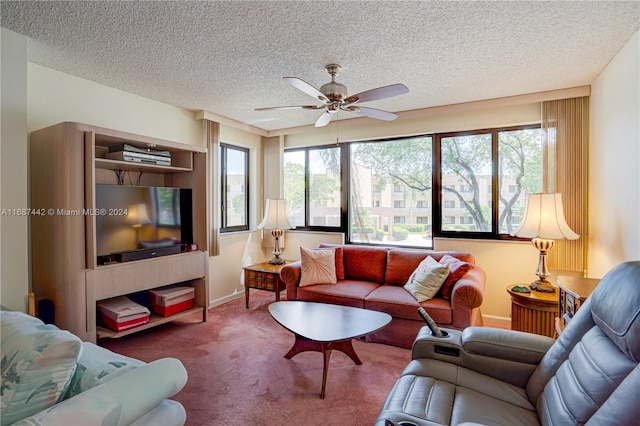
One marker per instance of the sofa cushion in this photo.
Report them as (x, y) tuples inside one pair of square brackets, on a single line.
[(317, 267), (399, 303), (434, 391), (427, 279), (345, 292), (38, 362), (365, 263), (457, 269)]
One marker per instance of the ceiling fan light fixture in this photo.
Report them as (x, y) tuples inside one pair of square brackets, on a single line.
[(334, 97)]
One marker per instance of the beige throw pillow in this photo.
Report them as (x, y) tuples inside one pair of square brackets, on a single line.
[(427, 279), (318, 267)]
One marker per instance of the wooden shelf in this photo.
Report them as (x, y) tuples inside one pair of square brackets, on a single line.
[(67, 161), (105, 163), (154, 320)]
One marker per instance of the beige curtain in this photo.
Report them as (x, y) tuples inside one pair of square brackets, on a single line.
[(565, 137), (212, 141), (273, 149)]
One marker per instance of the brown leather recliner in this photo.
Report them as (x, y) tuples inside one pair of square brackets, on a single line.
[(589, 375)]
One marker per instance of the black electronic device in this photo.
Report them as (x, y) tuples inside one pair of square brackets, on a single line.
[(435, 330), (138, 222)]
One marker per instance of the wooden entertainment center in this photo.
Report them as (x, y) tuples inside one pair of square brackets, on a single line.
[(67, 160)]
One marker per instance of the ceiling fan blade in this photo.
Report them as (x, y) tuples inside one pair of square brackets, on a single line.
[(290, 107), (379, 93), (306, 88), (324, 119), (373, 113)]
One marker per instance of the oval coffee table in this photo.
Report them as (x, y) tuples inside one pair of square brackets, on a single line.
[(322, 327)]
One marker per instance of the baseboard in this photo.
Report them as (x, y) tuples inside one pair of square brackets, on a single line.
[(225, 299), (502, 322)]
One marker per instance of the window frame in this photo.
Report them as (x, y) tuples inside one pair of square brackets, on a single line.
[(436, 199), (307, 175), (224, 148), (494, 233)]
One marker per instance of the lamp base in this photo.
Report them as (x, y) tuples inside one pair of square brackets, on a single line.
[(277, 260), (543, 286)]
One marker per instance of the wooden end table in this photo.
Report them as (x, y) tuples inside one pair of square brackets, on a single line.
[(534, 312), (263, 276), (573, 293)]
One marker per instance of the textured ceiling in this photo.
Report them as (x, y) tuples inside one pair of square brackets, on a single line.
[(229, 57)]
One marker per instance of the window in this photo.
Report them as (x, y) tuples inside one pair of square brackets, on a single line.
[(381, 168), (312, 187), (234, 181), (476, 182), (498, 168)]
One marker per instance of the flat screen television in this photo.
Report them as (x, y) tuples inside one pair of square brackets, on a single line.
[(138, 218)]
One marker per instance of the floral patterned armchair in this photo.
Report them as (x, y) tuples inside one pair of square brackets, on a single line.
[(51, 377)]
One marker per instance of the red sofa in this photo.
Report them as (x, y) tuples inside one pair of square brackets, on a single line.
[(373, 278)]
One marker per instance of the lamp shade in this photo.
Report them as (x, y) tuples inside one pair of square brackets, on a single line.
[(275, 216), (544, 218), (137, 215)]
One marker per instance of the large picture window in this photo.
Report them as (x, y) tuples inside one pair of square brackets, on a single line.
[(404, 191), (234, 183)]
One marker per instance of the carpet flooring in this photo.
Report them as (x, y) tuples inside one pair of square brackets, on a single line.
[(238, 374)]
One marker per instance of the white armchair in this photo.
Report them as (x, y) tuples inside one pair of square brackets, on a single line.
[(50, 377)]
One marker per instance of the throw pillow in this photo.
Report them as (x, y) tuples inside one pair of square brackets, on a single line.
[(38, 362), (427, 279), (317, 267), (458, 268), (339, 258)]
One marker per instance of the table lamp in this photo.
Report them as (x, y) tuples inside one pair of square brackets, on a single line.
[(136, 217), (544, 223), (276, 219)]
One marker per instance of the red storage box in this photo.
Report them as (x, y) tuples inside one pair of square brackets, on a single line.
[(170, 301), (121, 313), (122, 326)]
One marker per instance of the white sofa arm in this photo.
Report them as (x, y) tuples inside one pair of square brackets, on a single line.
[(120, 401)]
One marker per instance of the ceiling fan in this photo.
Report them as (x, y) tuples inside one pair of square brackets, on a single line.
[(334, 98)]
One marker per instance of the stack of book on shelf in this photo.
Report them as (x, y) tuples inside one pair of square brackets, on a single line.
[(126, 152), (121, 313), (170, 301)]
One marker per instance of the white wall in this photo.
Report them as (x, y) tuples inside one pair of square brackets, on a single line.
[(14, 238), (614, 162), (54, 97)]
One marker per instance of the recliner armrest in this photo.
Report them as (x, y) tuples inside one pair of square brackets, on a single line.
[(501, 354), (509, 345)]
